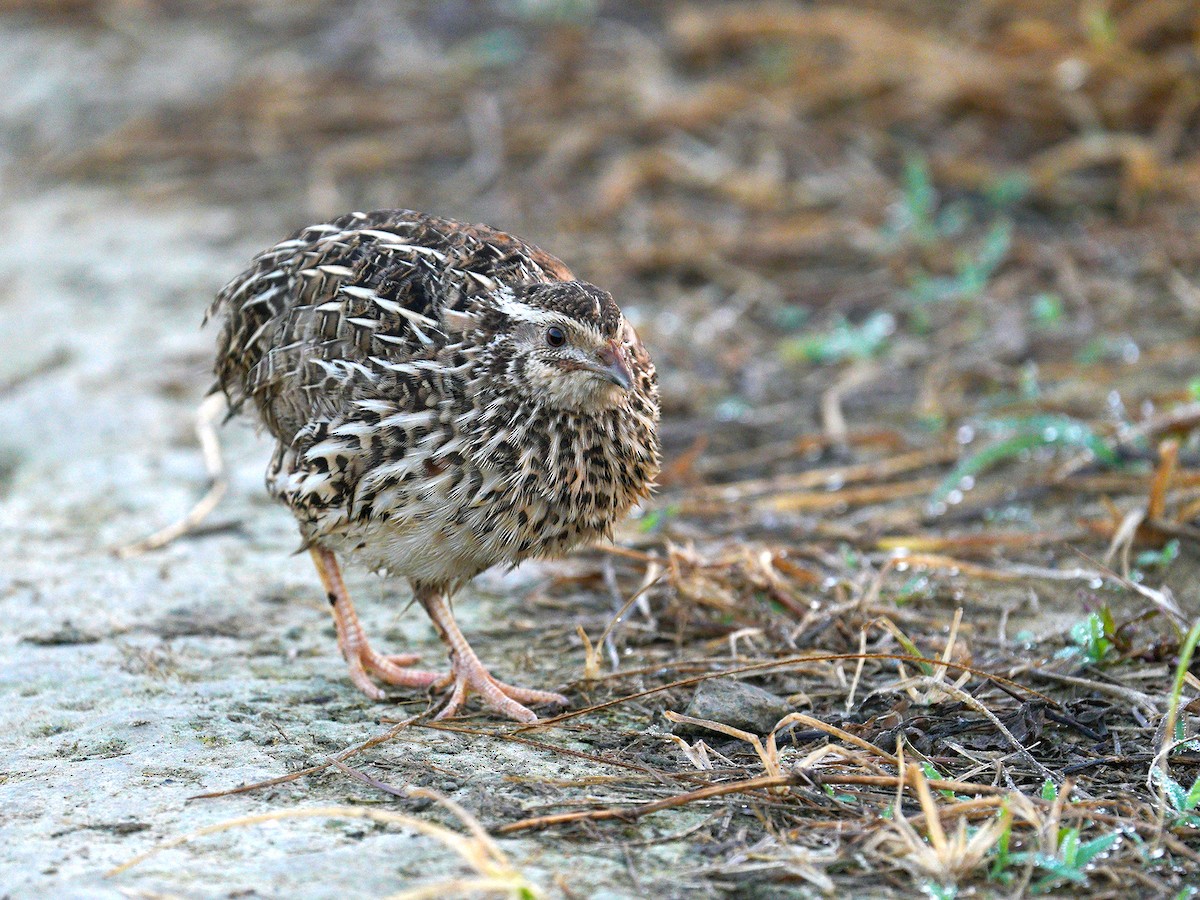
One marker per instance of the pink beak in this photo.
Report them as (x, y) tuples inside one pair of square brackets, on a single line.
[(613, 364)]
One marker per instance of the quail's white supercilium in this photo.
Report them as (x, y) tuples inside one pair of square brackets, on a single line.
[(445, 398)]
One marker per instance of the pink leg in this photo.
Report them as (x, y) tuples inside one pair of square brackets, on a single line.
[(468, 674), (352, 641)]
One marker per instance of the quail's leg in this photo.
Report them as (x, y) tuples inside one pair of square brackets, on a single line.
[(352, 641), (468, 674)]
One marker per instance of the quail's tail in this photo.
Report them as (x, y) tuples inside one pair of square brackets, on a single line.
[(249, 308)]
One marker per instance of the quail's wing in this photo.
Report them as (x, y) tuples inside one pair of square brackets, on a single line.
[(321, 312)]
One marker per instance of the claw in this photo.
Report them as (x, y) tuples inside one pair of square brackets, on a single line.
[(469, 676)]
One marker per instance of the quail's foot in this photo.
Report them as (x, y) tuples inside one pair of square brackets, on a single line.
[(364, 662), (469, 676), (352, 640)]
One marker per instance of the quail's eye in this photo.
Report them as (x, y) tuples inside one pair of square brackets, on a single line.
[(555, 336)]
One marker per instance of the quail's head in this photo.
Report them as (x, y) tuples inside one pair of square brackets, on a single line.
[(568, 346)]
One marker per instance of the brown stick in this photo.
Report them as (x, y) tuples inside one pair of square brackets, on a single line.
[(636, 812)]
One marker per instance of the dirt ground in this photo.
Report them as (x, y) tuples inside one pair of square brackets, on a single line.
[(923, 288)]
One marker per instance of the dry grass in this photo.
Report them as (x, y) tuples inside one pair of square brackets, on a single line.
[(494, 875)]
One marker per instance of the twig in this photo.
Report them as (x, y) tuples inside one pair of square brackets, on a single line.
[(968, 700), (636, 812), (206, 415), (312, 770), (1138, 698), (592, 668)]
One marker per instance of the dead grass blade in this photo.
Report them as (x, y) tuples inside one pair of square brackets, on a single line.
[(591, 666), (477, 849), (1169, 741), (206, 415), (944, 859), (645, 809), (831, 479), (312, 770), (767, 755)]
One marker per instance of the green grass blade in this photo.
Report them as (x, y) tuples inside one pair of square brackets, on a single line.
[(1089, 850)]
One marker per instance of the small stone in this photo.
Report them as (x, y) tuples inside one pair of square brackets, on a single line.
[(734, 703)]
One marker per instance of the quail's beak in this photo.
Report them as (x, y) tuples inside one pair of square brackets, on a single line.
[(612, 364)]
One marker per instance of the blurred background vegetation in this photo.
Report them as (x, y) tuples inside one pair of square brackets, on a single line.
[(949, 199)]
